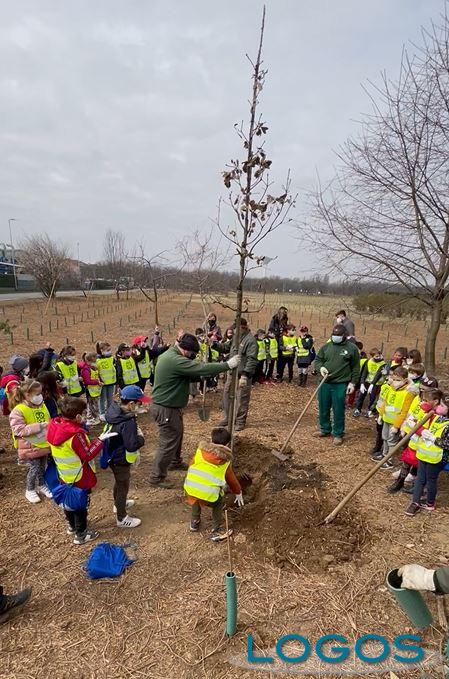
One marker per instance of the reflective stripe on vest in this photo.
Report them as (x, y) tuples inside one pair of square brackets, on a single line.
[(67, 462), (70, 374), (261, 350), (385, 388), (274, 347), (372, 368), (129, 371), (301, 351), (33, 416), (413, 416), (427, 451), (393, 404), (144, 367), (106, 369), (94, 390), (205, 480), (288, 346)]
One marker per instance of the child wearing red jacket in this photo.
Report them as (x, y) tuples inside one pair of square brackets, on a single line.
[(73, 454), (209, 473)]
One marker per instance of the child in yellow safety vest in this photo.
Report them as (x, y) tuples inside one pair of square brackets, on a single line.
[(108, 376), (426, 400), (305, 353), (29, 419), (288, 345), (209, 474), (92, 382), (373, 363), (67, 368), (259, 375), (432, 452), (272, 352), (125, 365), (393, 411)]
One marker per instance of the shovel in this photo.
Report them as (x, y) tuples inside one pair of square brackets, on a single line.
[(280, 454), (203, 410)]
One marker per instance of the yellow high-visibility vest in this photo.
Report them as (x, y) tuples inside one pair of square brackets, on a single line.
[(33, 416), (362, 362), (288, 345), (68, 463), (427, 451), (106, 369), (94, 390), (273, 350), (372, 368), (393, 404), (301, 351), (145, 367), (205, 480), (262, 351), (71, 377), (380, 405), (129, 371), (215, 355), (414, 415)]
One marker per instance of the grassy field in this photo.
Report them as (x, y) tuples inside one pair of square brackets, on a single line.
[(165, 616)]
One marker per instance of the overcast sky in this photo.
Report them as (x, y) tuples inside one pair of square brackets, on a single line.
[(120, 114)]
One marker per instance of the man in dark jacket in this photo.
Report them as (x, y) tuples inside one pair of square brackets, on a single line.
[(278, 324), (123, 449), (339, 361), (247, 351)]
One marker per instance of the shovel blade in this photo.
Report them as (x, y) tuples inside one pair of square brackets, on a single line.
[(204, 413), (280, 456)]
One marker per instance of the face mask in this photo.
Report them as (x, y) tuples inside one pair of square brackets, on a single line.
[(143, 345), (26, 371), (127, 354), (291, 333), (414, 378), (72, 359), (425, 407), (409, 361), (441, 409), (397, 384), (37, 400), (106, 354), (377, 359), (337, 339), (390, 380), (340, 319)]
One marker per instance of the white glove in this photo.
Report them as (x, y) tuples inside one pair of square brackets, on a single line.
[(239, 500), (324, 372), (107, 435), (139, 431), (417, 577), (394, 430), (350, 389), (379, 419), (234, 361), (362, 389), (243, 381), (137, 462), (370, 388), (428, 436)]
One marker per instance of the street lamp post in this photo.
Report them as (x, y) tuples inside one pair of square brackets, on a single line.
[(12, 252)]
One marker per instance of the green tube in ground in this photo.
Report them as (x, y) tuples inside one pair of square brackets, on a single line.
[(410, 600), (231, 603)]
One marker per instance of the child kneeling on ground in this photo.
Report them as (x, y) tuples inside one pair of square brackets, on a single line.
[(123, 451), (209, 473), (73, 454)]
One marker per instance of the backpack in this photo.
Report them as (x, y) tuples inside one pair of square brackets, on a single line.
[(107, 561), (70, 497)]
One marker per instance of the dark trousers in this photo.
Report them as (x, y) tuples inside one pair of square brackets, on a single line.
[(283, 361), (142, 383), (171, 431), (122, 476), (379, 441), (427, 478), (260, 372), (372, 398), (217, 512), (270, 368), (3, 599), (242, 405), (77, 520), (331, 398)]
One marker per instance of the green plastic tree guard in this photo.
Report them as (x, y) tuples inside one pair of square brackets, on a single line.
[(410, 600), (231, 603)]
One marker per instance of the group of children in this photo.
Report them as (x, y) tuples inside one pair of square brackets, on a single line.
[(282, 352), (400, 394)]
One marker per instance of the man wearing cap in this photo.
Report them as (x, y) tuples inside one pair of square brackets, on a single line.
[(175, 370), (123, 450), (339, 361), (247, 351)]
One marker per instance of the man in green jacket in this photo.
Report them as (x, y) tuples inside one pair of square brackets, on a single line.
[(425, 579), (339, 361), (175, 369), (247, 351)]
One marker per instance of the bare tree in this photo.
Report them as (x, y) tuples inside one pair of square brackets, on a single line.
[(115, 258), (385, 216), (257, 212), (46, 261), (151, 275)]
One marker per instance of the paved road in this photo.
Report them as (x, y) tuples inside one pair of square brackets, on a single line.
[(12, 296)]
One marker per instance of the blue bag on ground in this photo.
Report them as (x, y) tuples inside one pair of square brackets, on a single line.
[(70, 497), (107, 561), (51, 476)]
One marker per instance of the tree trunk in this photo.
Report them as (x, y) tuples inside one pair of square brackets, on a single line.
[(432, 333), (156, 305)]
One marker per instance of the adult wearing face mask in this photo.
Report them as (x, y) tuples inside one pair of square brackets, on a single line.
[(342, 319), (175, 369), (211, 327), (339, 361)]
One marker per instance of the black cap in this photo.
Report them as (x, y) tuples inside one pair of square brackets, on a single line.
[(122, 346), (189, 343)]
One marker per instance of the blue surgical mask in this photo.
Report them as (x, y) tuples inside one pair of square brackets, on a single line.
[(337, 339)]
